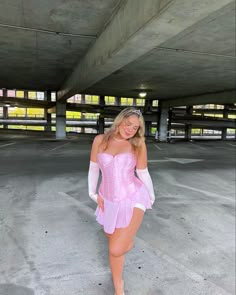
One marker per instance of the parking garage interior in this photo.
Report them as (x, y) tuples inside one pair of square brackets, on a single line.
[(67, 69)]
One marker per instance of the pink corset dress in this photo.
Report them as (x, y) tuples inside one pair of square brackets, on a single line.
[(120, 189)]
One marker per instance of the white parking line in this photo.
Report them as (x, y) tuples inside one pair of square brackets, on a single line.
[(200, 147), (7, 144), (60, 146), (157, 147), (231, 144)]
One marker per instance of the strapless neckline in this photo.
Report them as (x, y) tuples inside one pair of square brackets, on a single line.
[(117, 155)]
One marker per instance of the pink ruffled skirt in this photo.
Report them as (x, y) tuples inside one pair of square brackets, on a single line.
[(118, 214)]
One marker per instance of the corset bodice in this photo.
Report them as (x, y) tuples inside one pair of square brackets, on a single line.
[(118, 178)]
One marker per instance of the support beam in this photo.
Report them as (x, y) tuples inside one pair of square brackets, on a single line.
[(137, 28), (5, 116), (148, 109), (188, 127), (60, 120), (101, 124), (226, 97), (117, 101), (163, 124), (83, 101), (47, 116), (225, 116), (5, 110)]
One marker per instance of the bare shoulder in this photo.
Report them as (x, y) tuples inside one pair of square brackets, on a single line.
[(98, 139), (143, 148)]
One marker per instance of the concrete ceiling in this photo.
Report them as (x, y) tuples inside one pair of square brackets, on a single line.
[(42, 41), (172, 48)]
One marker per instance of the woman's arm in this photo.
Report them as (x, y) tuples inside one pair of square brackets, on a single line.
[(93, 173), (142, 171)]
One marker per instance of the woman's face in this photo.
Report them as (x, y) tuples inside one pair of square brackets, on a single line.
[(129, 126)]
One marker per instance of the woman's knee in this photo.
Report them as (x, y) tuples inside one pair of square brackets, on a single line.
[(118, 250)]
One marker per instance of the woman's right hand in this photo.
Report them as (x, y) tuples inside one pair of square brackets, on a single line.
[(100, 203)]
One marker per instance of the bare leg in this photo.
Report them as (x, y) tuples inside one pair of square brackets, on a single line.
[(120, 242)]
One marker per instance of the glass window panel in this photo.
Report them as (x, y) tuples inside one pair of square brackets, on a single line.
[(130, 101), (1, 92), (40, 95), (32, 95), (37, 113), (17, 112), (155, 103), (140, 102), (53, 96), (73, 115), (20, 93), (11, 93), (91, 116), (110, 100)]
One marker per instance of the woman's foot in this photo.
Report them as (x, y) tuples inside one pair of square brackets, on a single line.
[(120, 290)]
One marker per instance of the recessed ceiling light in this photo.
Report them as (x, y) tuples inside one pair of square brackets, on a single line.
[(7, 105), (142, 94)]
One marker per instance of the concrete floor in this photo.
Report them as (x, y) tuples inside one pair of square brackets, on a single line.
[(51, 244)]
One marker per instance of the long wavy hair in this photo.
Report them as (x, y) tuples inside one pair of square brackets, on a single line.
[(137, 139)]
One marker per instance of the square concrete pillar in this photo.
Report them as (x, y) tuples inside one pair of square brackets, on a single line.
[(60, 120), (163, 123), (47, 116)]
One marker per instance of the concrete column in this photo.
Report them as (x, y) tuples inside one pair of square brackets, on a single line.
[(169, 124), (148, 109), (117, 101), (188, 127), (163, 121), (101, 124), (83, 101), (147, 128), (225, 115), (5, 117), (60, 120), (102, 100), (47, 116), (148, 106), (5, 109), (26, 94), (82, 98), (101, 121)]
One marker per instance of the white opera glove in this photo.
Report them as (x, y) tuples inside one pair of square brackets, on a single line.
[(93, 176), (145, 177)]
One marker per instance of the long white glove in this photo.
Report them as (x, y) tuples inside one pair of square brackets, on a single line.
[(145, 177), (93, 176)]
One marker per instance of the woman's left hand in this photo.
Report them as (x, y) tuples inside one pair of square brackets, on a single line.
[(100, 202)]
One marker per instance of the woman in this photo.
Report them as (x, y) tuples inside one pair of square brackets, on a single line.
[(122, 197)]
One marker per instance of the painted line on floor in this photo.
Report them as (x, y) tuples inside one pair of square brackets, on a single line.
[(200, 147), (157, 147), (157, 161), (7, 144), (234, 145), (60, 146)]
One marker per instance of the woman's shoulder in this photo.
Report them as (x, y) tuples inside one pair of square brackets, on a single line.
[(98, 139)]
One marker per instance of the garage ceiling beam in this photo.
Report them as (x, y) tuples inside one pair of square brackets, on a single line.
[(138, 27), (225, 97)]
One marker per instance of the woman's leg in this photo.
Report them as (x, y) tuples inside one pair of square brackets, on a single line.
[(120, 242)]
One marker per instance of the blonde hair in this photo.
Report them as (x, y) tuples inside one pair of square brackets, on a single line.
[(137, 140)]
